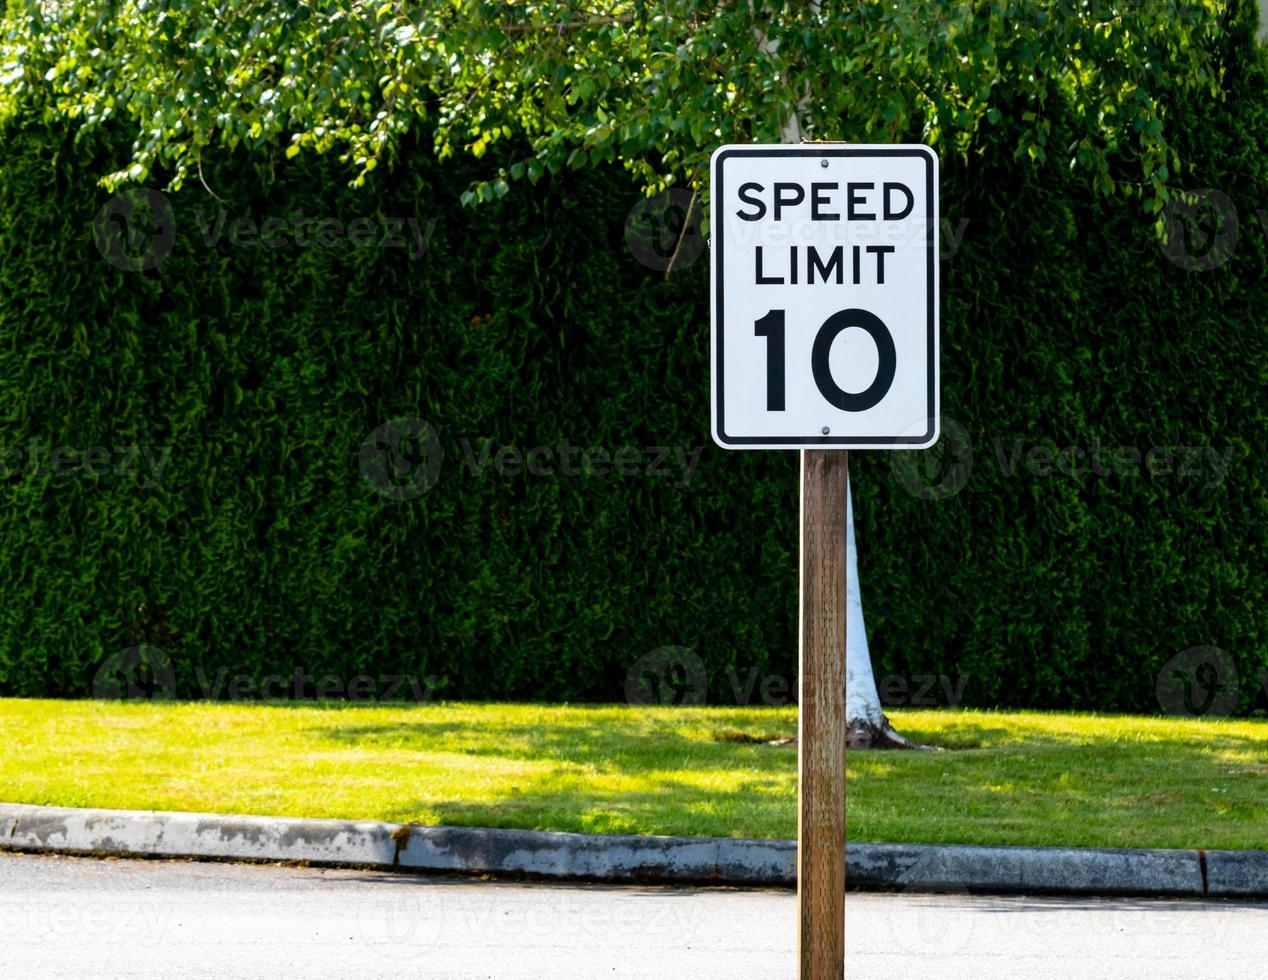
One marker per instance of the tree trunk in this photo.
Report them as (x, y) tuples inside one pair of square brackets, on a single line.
[(866, 724)]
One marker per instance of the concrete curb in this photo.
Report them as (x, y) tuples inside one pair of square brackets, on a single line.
[(1027, 870), (1237, 874), (197, 835), (603, 857), (599, 857)]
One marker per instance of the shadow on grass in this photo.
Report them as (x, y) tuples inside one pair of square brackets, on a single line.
[(670, 806), (633, 774), (604, 748)]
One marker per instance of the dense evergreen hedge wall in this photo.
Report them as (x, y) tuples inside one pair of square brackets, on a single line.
[(251, 539)]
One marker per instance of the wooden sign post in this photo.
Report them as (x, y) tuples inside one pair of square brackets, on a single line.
[(825, 338), (821, 717)]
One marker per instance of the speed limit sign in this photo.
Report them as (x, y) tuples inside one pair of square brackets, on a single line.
[(825, 296)]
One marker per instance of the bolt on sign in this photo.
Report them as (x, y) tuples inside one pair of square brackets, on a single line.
[(825, 338), (825, 296)]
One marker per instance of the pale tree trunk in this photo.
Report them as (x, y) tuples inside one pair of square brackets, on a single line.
[(866, 724)]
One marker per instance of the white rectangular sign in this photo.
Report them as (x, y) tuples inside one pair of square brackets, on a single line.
[(825, 296)]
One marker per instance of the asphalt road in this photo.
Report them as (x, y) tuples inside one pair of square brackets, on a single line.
[(89, 920)]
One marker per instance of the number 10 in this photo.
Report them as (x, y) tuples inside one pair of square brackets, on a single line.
[(771, 326)]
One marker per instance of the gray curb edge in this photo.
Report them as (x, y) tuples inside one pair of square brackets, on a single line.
[(600, 857)]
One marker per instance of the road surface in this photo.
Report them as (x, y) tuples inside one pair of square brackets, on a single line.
[(86, 919)]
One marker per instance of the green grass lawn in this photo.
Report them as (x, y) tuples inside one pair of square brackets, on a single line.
[(1004, 777)]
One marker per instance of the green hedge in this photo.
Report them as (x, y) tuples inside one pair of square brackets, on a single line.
[(261, 546)]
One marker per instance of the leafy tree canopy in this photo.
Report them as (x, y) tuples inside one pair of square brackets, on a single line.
[(568, 83)]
